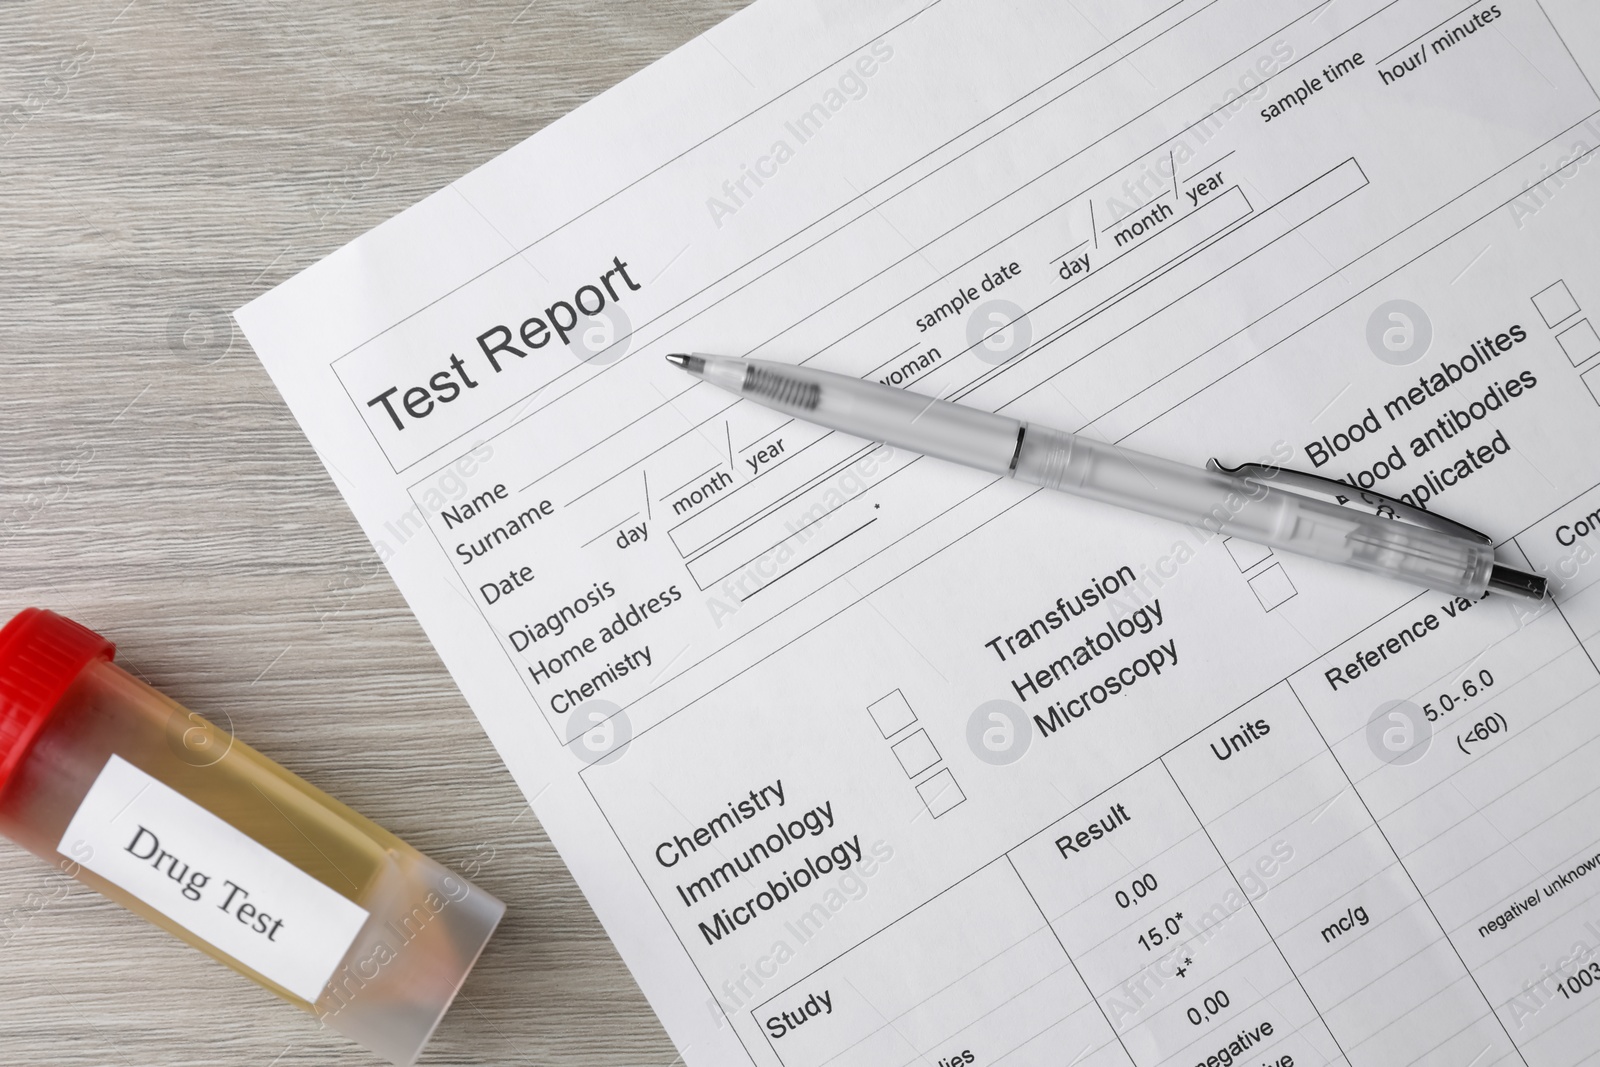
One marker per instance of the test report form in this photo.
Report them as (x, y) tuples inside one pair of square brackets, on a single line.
[(864, 758)]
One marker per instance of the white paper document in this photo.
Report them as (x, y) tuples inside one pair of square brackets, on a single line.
[(867, 759)]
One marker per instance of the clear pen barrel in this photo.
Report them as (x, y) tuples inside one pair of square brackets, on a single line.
[(965, 435), (1226, 505)]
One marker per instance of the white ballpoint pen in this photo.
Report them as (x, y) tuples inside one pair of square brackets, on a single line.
[(1412, 546)]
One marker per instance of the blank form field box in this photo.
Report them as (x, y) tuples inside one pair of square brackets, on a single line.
[(1591, 378), (916, 753), (1555, 304), (1579, 342), (1272, 587), (1246, 554), (891, 713), (941, 793)]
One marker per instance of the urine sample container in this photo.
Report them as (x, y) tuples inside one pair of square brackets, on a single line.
[(161, 811)]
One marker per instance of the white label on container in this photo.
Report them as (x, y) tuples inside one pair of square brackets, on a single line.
[(211, 879)]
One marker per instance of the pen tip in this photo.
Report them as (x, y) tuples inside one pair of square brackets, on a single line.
[(692, 364)]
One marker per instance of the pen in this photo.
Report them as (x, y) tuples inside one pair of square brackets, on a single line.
[(1403, 542)]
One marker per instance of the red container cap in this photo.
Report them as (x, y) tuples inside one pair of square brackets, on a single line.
[(41, 653)]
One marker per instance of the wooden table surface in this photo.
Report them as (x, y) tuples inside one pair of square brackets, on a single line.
[(161, 163)]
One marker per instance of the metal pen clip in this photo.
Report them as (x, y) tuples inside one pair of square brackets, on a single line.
[(1387, 506)]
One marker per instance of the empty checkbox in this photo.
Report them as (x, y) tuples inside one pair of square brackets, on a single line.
[(940, 793), (1272, 587), (1555, 304), (891, 713), (916, 753), (1579, 342), (1246, 554)]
